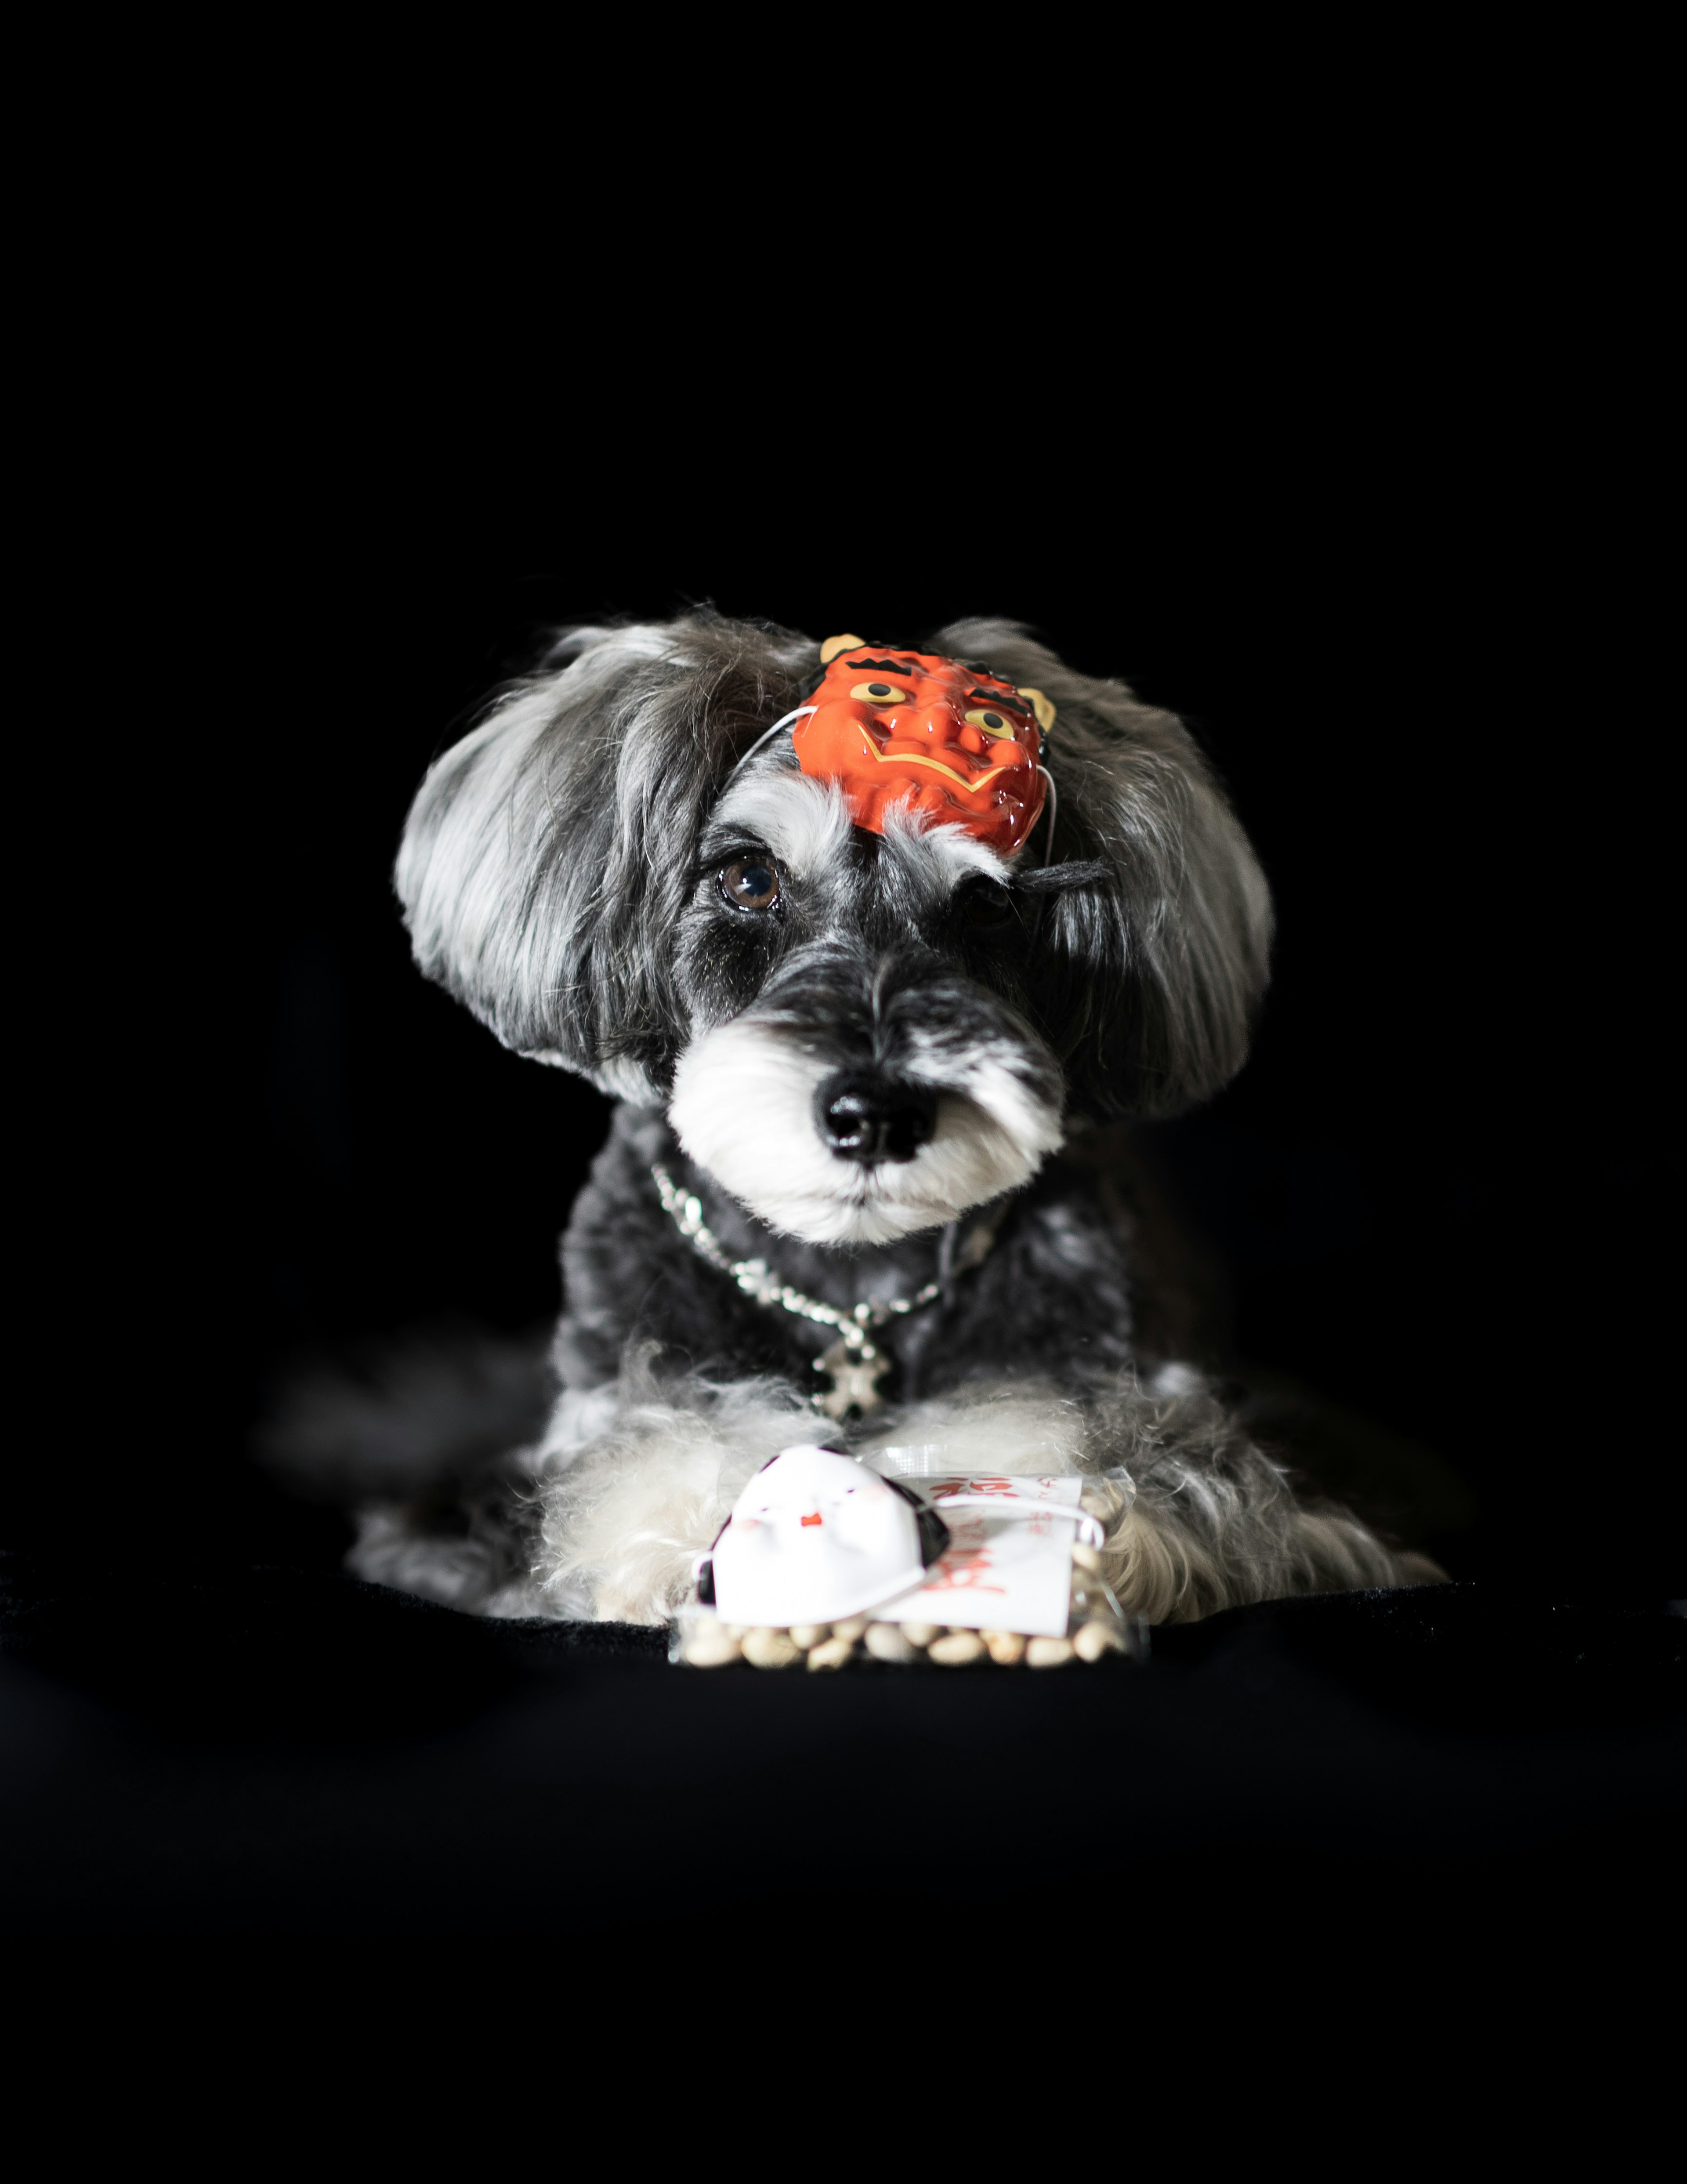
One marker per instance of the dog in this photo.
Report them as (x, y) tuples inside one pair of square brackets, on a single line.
[(859, 1027)]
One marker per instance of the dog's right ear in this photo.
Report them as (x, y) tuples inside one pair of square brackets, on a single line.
[(548, 856), (1155, 968)]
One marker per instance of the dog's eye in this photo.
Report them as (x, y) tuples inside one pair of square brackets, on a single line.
[(986, 907), (750, 882), (880, 693), (990, 721)]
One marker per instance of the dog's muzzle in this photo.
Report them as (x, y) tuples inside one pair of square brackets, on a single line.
[(866, 1117)]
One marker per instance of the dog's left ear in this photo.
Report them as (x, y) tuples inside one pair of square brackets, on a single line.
[(1155, 968), (548, 856)]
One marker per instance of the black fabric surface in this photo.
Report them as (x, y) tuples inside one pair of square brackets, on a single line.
[(281, 1751)]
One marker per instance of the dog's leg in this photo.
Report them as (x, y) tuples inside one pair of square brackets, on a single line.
[(1171, 1570), (1215, 1521), (638, 1481)]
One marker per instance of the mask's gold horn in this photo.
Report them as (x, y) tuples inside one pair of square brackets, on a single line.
[(833, 645), (1039, 706)]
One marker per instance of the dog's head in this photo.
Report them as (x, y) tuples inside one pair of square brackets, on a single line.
[(860, 1030)]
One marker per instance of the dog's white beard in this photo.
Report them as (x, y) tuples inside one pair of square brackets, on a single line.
[(744, 1108)]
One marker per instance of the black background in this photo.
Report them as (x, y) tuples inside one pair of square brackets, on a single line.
[(1335, 434)]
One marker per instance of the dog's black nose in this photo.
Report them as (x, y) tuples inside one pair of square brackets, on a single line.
[(873, 1118)]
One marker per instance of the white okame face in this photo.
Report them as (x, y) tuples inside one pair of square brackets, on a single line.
[(874, 1084), (812, 1537)]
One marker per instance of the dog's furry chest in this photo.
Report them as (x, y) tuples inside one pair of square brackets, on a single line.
[(1051, 1299)]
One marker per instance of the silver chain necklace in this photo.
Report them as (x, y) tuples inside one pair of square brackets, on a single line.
[(855, 1361)]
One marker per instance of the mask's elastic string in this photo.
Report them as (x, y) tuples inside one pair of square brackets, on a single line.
[(1090, 1530), (1054, 813), (768, 737)]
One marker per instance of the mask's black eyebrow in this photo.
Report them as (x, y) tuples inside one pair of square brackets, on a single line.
[(890, 666), (1016, 704), (1058, 879)]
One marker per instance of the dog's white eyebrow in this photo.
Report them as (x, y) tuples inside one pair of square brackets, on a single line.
[(805, 821), (940, 856)]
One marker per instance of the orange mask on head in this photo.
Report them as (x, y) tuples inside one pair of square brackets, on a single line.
[(954, 742)]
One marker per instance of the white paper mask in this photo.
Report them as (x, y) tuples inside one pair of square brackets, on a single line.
[(812, 1538)]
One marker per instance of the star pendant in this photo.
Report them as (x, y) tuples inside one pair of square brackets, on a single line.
[(855, 1375)]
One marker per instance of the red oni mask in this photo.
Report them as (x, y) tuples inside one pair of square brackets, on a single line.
[(955, 743)]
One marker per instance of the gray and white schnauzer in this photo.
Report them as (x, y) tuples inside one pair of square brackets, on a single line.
[(832, 1202)]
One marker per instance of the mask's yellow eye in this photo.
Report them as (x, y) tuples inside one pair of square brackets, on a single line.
[(880, 693), (990, 721)]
